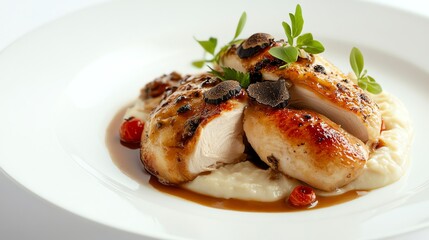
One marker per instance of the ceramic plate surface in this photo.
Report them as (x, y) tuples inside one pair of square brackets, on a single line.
[(62, 84)]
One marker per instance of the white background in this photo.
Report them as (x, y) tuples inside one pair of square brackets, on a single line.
[(24, 215)]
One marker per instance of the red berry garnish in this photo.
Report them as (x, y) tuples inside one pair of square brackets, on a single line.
[(131, 130), (302, 196)]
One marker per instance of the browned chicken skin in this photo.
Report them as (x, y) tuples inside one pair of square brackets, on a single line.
[(187, 136), (304, 145), (319, 86)]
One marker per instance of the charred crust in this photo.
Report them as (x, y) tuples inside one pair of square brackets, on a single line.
[(184, 108), (341, 87), (274, 162), (169, 90), (255, 76), (307, 116), (320, 139), (364, 97), (268, 62), (191, 126), (319, 68), (164, 103), (345, 80), (160, 86), (209, 82), (175, 76), (188, 87), (255, 73), (153, 89), (180, 98)]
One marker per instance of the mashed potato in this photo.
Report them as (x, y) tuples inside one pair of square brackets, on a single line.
[(386, 165), (243, 181)]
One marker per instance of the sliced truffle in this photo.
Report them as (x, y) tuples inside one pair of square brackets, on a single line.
[(254, 44), (222, 92), (271, 93)]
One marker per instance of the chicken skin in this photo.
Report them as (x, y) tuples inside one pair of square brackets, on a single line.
[(304, 145), (186, 136), (316, 85)]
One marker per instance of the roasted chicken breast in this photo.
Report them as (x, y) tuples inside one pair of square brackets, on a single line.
[(304, 145), (317, 85), (186, 136)]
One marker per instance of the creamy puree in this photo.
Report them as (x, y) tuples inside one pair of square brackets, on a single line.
[(243, 181), (385, 165)]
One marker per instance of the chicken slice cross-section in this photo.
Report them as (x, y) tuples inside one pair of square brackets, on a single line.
[(317, 85), (187, 136), (304, 145)]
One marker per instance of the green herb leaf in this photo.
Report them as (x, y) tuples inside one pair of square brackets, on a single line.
[(373, 86), (291, 53), (299, 21), (198, 64), (314, 47), (232, 74), (292, 23), (240, 25), (356, 61), (365, 82), (209, 45), (288, 54), (288, 33), (216, 73), (278, 52), (304, 39)]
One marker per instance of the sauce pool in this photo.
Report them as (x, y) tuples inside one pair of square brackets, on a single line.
[(128, 161)]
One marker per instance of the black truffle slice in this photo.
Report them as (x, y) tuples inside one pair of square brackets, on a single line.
[(254, 44), (271, 93), (222, 92)]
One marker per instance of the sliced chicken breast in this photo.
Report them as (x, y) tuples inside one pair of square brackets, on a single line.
[(304, 145), (187, 136), (317, 85)]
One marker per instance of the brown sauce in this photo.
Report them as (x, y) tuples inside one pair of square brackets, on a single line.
[(248, 206), (128, 161)]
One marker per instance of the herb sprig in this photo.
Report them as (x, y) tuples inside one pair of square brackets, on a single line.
[(210, 45), (289, 53), (365, 81), (232, 74)]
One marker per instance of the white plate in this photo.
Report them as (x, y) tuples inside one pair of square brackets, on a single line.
[(62, 84)]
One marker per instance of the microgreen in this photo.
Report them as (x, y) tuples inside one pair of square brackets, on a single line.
[(232, 74), (365, 81), (210, 45), (289, 52)]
